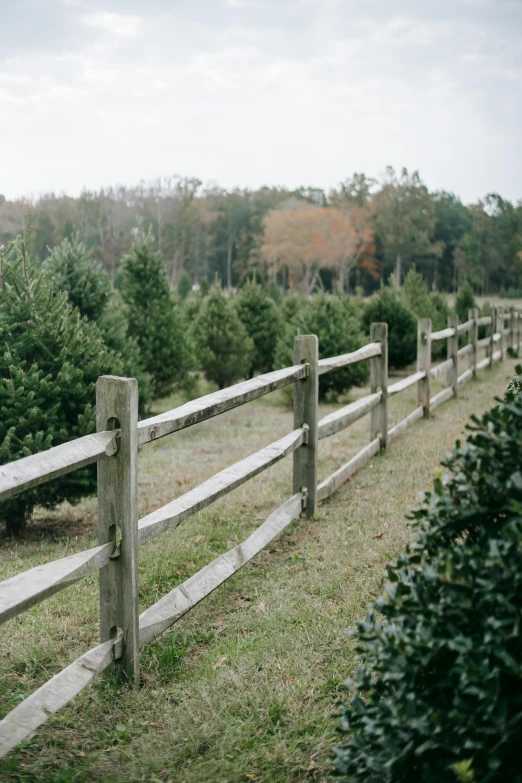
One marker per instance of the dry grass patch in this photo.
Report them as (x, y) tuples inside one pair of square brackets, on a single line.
[(245, 685)]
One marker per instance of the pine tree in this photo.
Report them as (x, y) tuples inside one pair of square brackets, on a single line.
[(222, 342), (260, 317), (184, 286), (88, 287), (464, 302), (388, 307), (155, 320), (50, 360)]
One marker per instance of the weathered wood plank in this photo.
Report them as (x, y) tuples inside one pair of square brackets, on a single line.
[(404, 383), (465, 326), (442, 396), (181, 599), (484, 342), (336, 362), (403, 425), (342, 474), (216, 403), (47, 700), (379, 384), (20, 592), (31, 471), (306, 400), (465, 376), (497, 356), (424, 364), (441, 368), (117, 403), (339, 420), (473, 340), (443, 334), (484, 320), (483, 363), (497, 337), (453, 348), (465, 350), (217, 486)]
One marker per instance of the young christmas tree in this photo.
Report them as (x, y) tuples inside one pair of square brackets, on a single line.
[(260, 317), (88, 287), (155, 320), (222, 342), (50, 359)]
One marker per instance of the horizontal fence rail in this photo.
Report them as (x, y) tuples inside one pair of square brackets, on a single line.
[(117, 449)]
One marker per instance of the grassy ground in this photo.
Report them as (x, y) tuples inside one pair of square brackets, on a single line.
[(246, 685)]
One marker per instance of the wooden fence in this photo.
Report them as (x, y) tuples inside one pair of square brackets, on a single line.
[(114, 447)]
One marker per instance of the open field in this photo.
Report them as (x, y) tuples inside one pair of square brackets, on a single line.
[(245, 687)]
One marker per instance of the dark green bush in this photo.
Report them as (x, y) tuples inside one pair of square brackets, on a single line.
[(387, 307), (260, 317), (464, 302), (439, 694)]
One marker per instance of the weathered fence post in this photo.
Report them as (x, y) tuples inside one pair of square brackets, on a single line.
[(379, 382), (117, 408), (306, 393), (499, 327), (424, 363), (517, 330), (511, 337), (453, 347), (473, 339), (493, 328)]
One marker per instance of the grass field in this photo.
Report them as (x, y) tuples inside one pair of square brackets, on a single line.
[(245, 687)]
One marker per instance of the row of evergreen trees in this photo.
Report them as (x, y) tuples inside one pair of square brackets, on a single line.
[(63, 323)]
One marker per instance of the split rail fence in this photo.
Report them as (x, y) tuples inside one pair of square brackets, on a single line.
[(114, 447)]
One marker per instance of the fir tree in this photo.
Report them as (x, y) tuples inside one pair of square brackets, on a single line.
[(387, 307), (260, 317), (464, 302), (154, 319), (184, 286), (222, 342), (50, 360)]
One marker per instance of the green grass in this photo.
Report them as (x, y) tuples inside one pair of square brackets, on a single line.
[(245, 686)]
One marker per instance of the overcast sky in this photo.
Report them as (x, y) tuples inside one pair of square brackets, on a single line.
[(252, 92)]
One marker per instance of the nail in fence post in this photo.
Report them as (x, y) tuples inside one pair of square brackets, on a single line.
[(379, 381), (453, 347), (117, 408), (306, 393), (424, 363), (473, 339)]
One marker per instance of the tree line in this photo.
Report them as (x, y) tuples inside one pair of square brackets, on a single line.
[(352, 238)]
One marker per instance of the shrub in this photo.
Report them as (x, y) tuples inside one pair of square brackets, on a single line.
[(339, 332), (184, 286), (387, 306), (260, 317), (155, 320), (222, 343), (464, 301), (439, 694), (50, 360)]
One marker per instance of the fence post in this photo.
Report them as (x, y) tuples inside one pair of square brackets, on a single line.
[(511, 337), (473, 339), (306, 393), (453, 347), (379, 381), (424, 363), (117, 408), (500, 329), (492, 335), (517, 331)]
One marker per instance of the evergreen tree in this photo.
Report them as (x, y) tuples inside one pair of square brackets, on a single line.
[(260, 317), (50, 360), (339, 331), (88, 287), (464, 301), (184, 286), (154, 319), (222, 342), (204, 286), (387, 307)]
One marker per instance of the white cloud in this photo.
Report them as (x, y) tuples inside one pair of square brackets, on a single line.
[(115, 24)]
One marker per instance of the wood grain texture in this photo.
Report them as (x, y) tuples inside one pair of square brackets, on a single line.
[(442, 396), (441, 368), (443, 334), (47, 700), (403, 425), (336, 362), (181, 599), (404, 383), (217, 486), (117, 403), (424, 364), (31, 471), (342, 418), (342, 474), (379, 384), (216, 403), (306, 400), (20, 592)]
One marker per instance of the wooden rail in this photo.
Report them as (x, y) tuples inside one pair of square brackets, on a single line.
[(120, 531)]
